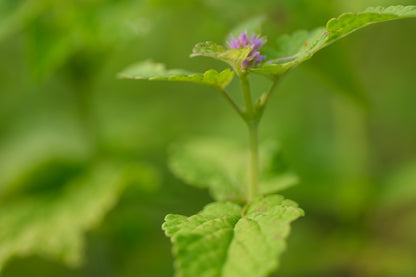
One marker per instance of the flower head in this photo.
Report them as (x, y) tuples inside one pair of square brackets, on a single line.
[(255, 41)]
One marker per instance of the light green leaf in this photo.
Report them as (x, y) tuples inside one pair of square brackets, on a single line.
[(221, 166), (223, 240), (350, 22), (234, 57), (40, 155), (302, 45), (400, 188), (52, 224), (275, 174), (208, 49), (157, 71)]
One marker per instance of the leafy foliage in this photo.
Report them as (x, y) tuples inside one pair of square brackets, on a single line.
[(58, 30), (221, 166), (40, 37), (157, 71), (13, 17), (52, 224), (30, 158), (302, 45), (234, 57), (225, 240), (400, 190)]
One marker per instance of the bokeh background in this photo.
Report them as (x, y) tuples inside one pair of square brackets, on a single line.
[(346, 121)]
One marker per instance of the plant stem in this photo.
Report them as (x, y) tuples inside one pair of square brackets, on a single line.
[(267, 99), (254, 161), (252, 123), (245, 85), (251, 117), (231, 101)]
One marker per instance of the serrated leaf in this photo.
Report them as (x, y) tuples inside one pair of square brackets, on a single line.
[(225, 241), (233, 57), (208, 49), (52, 224), (157, 71), (221, 166), (350, 22), (302, 45)]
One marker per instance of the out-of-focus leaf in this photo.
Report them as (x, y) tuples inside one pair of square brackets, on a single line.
[(52, 225), (222, 165), (30, 157), (300, 46), (58, 30), (15, 15), (252, 26), (157, 71), (344, 80), (224, 240), (234, 57), (275, 174), (400, 189)]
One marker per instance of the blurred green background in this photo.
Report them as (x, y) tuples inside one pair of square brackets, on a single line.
[(84, 184)]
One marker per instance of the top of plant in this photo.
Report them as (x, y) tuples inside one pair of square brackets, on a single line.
[(255, 42), (288, 51)]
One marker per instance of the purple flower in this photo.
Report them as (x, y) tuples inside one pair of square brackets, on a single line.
[(255, 41)]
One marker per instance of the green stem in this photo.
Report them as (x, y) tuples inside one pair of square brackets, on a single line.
[(245, 85), (252, 123), (254, 161), (231, 101), (267, 99)]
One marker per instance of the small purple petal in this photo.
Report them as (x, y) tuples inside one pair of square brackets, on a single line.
[(243, 37), (234, 43), (257, 44), (255, 41), (245, 63)]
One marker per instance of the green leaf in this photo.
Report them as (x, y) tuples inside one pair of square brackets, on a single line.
[(223, 240), (349, 22), (275, 174), (41, 155), (400, 189), (233, 57), (302, 45), (221, 166), (157, 71), (16, 15), (292, 50), (208, 49), (52, 224)]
